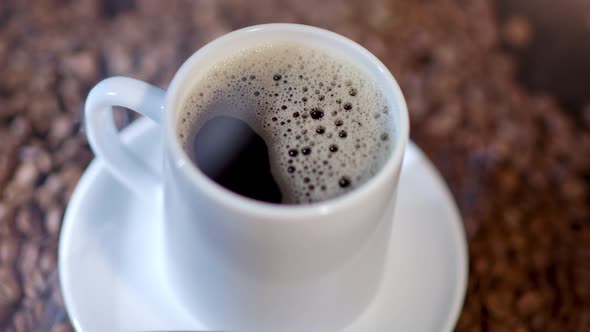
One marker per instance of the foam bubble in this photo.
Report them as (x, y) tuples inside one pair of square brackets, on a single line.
[(317, 112)]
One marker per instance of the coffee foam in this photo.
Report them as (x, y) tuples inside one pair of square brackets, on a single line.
[(325, 121)]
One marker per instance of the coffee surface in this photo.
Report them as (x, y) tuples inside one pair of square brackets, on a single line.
[(325, 122)]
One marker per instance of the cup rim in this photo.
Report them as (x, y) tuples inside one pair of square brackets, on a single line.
[(283, 211)]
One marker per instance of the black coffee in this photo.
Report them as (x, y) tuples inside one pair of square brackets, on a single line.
[(228, 151), (287, 124)]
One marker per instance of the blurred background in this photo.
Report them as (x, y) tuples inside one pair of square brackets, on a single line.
[(498, 94)]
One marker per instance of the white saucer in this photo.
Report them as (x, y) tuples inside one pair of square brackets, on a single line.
[(112, 280)]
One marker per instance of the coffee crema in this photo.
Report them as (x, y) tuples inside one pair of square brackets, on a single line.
[(324, 121)]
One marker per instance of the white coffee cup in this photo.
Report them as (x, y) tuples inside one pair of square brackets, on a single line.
[(244, 265)]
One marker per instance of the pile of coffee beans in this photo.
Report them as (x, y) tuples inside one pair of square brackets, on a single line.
[(517, 164)]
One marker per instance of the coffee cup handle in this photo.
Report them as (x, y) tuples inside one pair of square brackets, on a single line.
[(103, 136)]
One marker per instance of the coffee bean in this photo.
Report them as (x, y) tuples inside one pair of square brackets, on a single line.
[(23, 321), (82, 65), (8, 250), (26, 175), (10, 292), (48, 261), (62, 327), (29, 220), (29, 255), (53, 220)]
